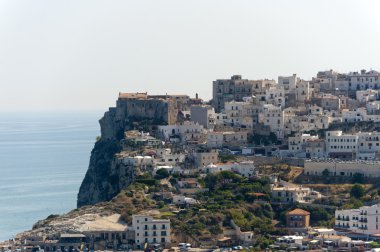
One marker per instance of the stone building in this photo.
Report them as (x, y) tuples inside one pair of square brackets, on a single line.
[(140, 106), (298, 218), (236, 88), (204, 115)]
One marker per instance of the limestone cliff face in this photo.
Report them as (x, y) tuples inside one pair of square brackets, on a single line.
[(106, 176)]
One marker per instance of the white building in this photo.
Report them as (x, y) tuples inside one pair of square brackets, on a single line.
[(239, 113), (275, 96), (187, 132), (183, 200), (165, 156), (303, 91), (140, 161), (288, 82), (357, 115), (289, 193), (364, 80), (369, 95), (315, 148), (150, 231), (205, 157), (368, 145), (319, 167), (315, 110), (298, 142), (364, 220), (218, 139), (273, 117), (246, 169), (341, 145)]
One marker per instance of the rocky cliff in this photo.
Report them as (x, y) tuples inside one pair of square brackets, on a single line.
[(106, 177)]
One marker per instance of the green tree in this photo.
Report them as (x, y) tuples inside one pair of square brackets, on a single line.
[(325, 173), (357, 191), (358, 178), (162, 173)]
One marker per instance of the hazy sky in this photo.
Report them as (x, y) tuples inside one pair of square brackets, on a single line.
[(79, 54)]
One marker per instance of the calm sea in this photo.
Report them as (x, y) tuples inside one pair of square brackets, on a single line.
[(43, 159)]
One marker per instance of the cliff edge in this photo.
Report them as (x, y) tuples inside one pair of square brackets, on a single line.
[(106, 177)]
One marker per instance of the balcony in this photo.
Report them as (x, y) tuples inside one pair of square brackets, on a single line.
[(363, 220)]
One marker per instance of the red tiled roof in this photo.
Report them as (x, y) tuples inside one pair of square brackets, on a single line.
[(298, 212)]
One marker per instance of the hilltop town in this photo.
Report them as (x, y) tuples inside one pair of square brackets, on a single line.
[(287, 164)]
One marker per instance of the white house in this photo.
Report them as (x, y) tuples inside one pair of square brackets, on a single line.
[(273, 117), (246, 169), (297, 144), (289, 193), (183, 200), (150, 231), (341, 145), (186, 132), (364, 220)]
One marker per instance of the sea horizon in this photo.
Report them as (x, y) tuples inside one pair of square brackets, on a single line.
[(44, 156)]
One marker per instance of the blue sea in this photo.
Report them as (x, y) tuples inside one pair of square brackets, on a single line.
[(43, 159)]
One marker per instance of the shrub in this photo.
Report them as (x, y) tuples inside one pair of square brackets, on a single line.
[(357, 191)]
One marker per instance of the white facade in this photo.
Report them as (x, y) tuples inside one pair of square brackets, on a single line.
[(303, 91), (246, 169), (357, 115), (368, 143), (239, 113), (367, 95), (364, 80), (183, 200), (204, 158), (138, 161), (373, 107), (289, 193), (187, 132), (165, 156), (288, 82), (275, 96), (218, 139), (337, 142), (315, 148), (273, 117), (149, 230), (364, 220), (342, 168), (298, 142)]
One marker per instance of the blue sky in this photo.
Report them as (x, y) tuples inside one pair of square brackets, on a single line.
[(65, 55)]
